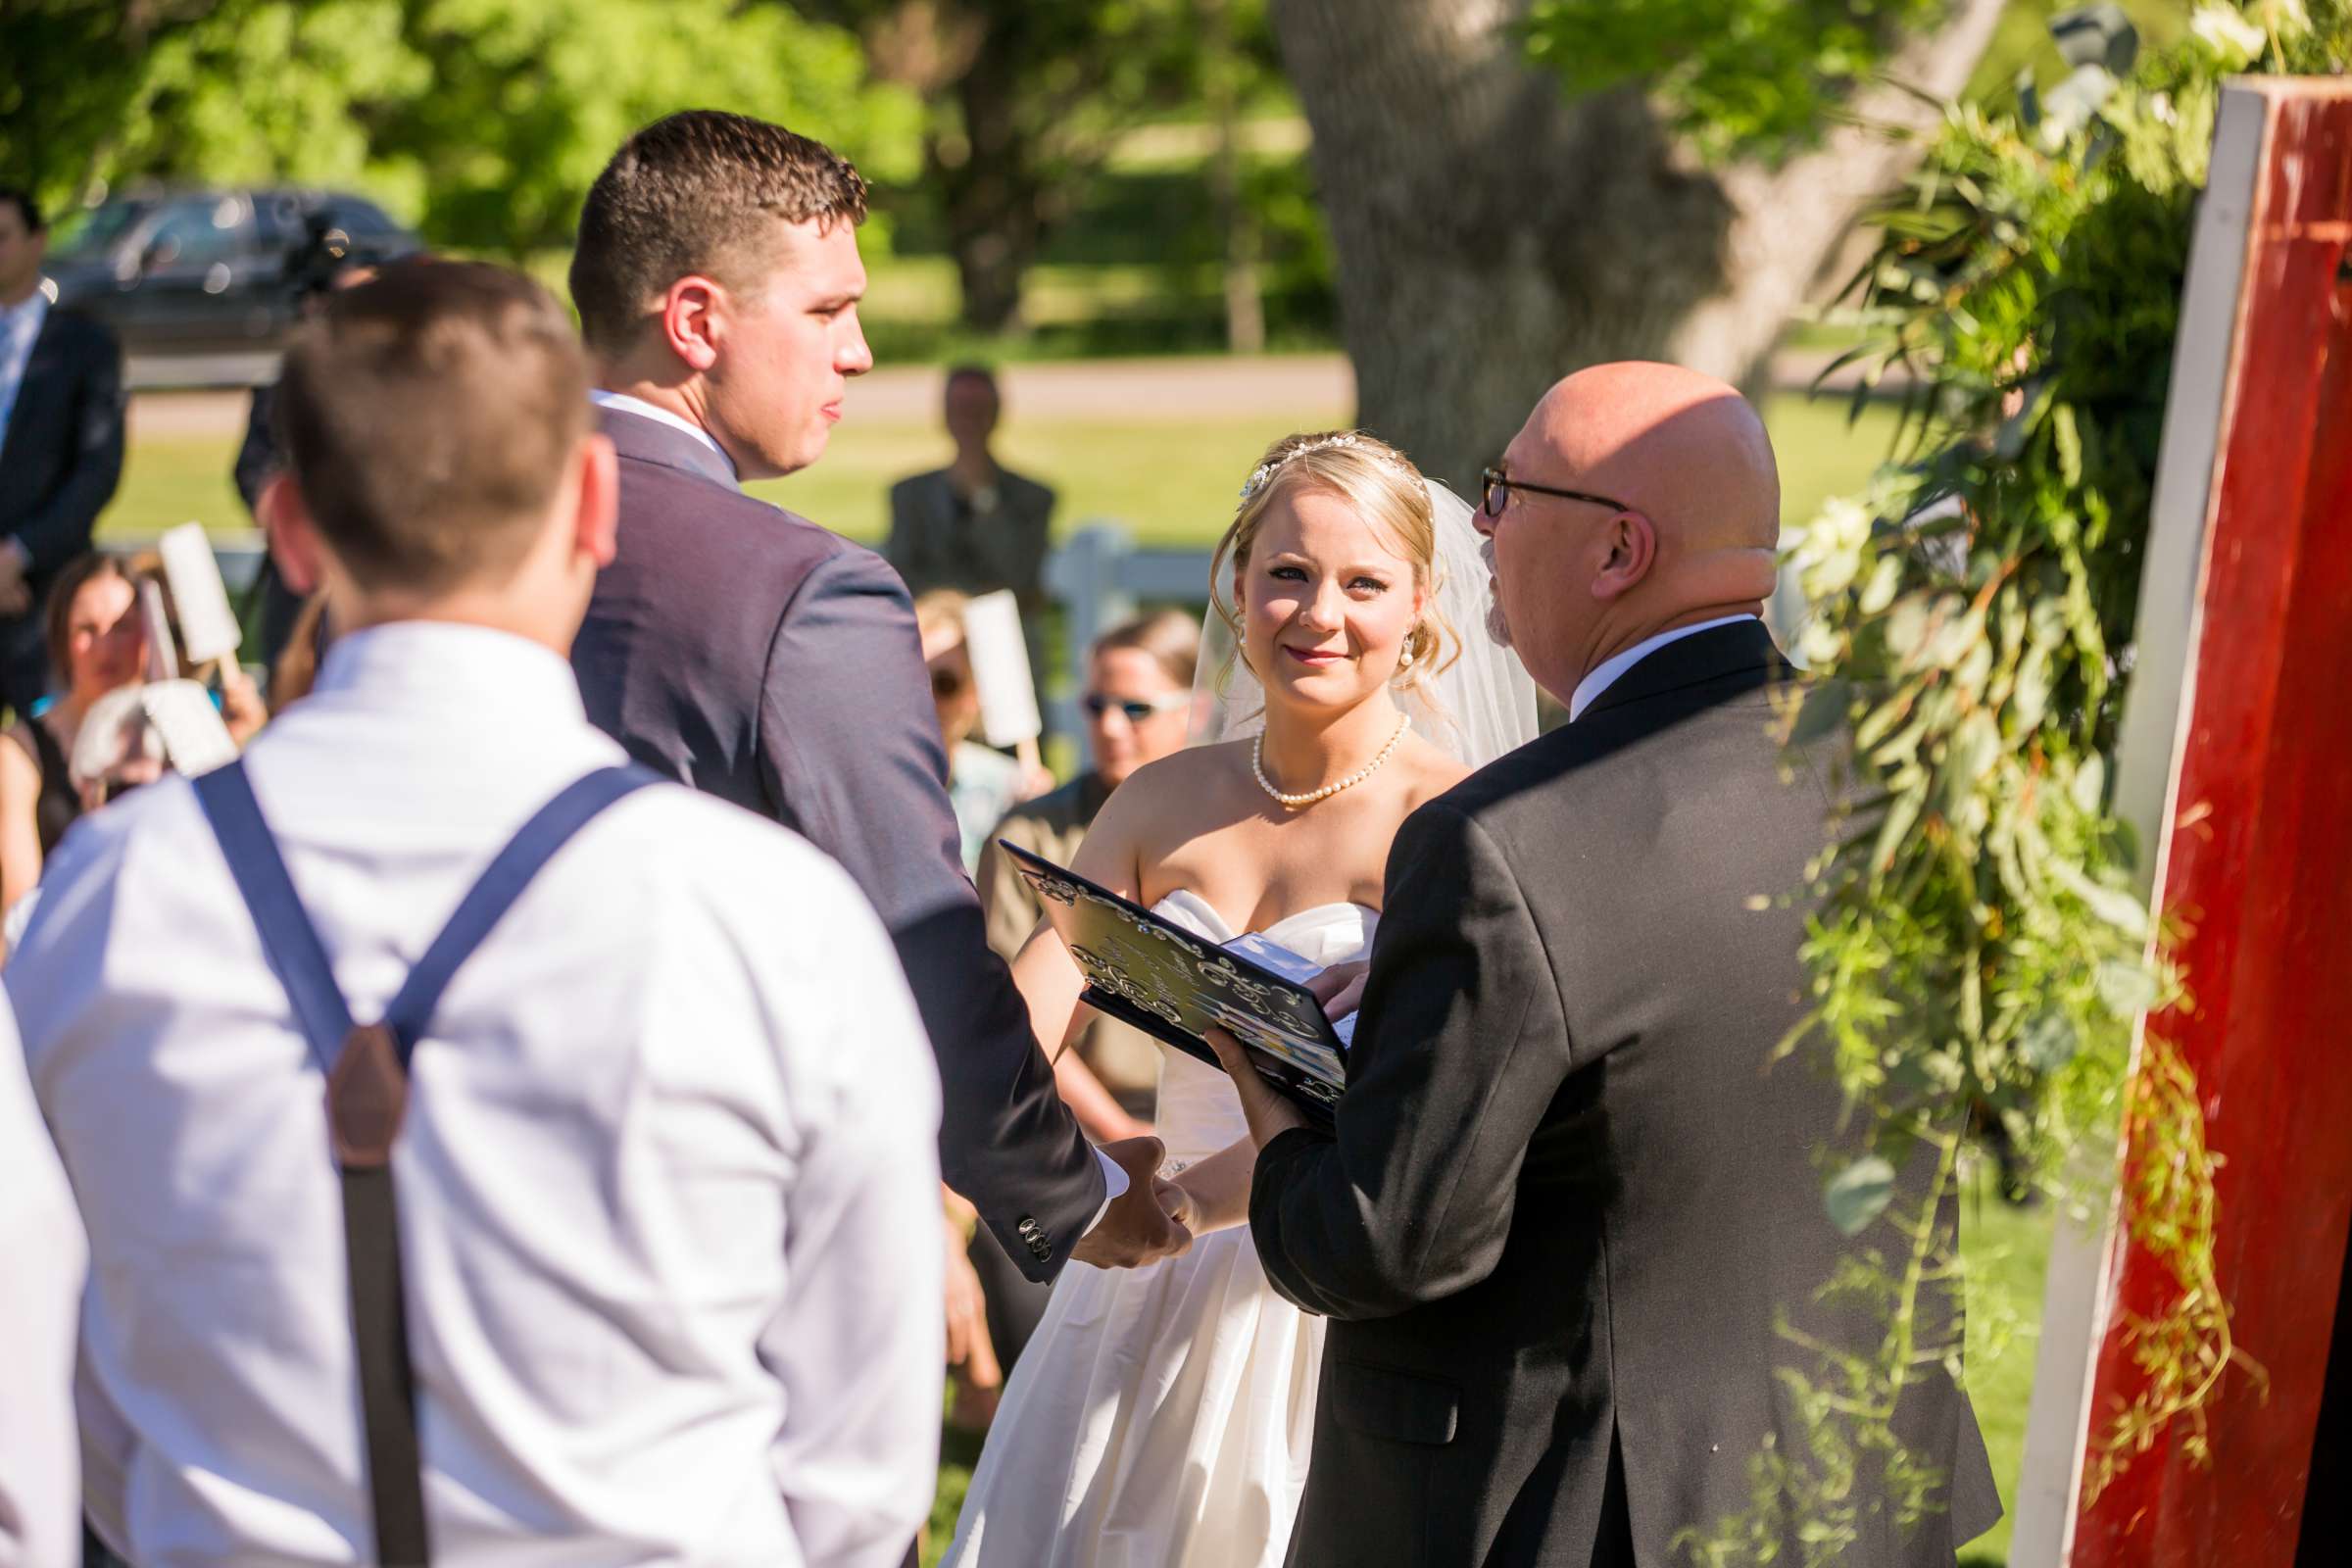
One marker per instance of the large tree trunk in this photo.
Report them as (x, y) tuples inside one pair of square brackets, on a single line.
[(1492, 236), (994, 198)]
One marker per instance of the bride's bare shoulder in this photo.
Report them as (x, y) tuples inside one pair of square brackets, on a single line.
[(1181, 779), (1430, 771)]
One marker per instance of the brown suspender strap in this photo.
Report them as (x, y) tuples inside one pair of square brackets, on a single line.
[(366, 1099)]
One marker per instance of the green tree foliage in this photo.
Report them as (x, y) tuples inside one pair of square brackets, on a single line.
[(1738, 76), (526, 99), (1979, 957), (73, 74), (1023, 102), (483, 121)]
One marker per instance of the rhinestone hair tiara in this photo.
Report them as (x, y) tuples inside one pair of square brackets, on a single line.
[(1266, 470)]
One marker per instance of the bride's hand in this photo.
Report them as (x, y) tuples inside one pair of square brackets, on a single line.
[(1176, 1200), (1340, 988), (1269, 1114)]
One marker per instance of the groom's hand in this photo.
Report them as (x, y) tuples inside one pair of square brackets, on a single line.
[(1269, 1114), (1340, 988), (1135, 1229)]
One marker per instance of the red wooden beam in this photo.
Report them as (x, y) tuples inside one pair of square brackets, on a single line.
[(2259, 868)]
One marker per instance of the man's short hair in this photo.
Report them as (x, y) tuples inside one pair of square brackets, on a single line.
[(429, 417), (26, 208), (972, 372), (700, 191)]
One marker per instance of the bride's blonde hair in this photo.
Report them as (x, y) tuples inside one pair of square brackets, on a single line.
[(1384, 487)]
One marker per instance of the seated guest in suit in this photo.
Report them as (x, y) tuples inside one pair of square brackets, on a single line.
[(767, 661), (61, 444), (974, 524), (660, 1281), (98, 643)]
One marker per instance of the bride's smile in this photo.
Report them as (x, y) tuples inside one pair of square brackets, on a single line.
[(1327, 599)]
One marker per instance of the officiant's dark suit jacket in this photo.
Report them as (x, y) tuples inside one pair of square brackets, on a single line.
[(59, 466), (1568, 1195), (758, 657)]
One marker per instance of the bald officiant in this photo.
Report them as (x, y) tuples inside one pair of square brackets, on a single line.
[(1571, 1198)]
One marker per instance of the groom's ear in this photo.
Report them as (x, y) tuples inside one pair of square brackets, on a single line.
[(1633, 545), (690, 320)]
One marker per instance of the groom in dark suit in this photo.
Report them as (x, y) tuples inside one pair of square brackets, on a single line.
[(1569, 1201), (758, 656)]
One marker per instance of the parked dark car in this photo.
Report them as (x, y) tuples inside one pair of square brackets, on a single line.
[(207, 269)]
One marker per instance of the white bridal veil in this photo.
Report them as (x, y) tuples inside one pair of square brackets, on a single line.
[(1478, 708)]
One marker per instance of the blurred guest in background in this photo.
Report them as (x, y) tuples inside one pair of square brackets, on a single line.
[(61, 444), (327, 261), (974, 524), (98, 644), (983, 783)]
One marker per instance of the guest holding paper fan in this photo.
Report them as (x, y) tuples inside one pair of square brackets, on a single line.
[(983, 783), (97, 644)]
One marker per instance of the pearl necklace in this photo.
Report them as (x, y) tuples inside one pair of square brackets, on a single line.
[(1300, 802)]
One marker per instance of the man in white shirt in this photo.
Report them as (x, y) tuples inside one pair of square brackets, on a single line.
[(667, 1174), (40, 1522)]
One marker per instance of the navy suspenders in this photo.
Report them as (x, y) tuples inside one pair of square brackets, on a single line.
[(366, 1092)]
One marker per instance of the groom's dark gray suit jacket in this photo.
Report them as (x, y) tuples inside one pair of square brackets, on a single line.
[(1568, 1197), (755, 656)]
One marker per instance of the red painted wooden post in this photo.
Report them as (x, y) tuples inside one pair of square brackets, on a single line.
[(2259, 868)]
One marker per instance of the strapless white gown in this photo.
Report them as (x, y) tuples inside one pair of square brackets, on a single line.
[(1160, 1416)]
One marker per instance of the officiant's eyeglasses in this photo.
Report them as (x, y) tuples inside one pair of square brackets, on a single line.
[(1097, 705), (1495, 487)]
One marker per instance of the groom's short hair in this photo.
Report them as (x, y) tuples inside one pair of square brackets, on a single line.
[(698, 191)]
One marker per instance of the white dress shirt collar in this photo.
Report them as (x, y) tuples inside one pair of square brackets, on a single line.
[(1588, 691), (625, 403), (447, 664), (19, 329)]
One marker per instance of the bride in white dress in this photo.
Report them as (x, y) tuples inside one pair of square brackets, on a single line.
[(1160, 1416)]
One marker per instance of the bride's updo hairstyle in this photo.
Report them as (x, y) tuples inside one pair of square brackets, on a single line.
[(1384, 487)]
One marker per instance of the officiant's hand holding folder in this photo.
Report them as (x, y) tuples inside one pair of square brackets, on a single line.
[(1175, 985)]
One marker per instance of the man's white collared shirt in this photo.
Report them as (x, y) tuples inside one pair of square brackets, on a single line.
[(1604, 675), (19, 329), (622, 403), (668, 1185)]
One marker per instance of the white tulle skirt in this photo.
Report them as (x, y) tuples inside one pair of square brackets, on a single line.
[(1161, 1417)]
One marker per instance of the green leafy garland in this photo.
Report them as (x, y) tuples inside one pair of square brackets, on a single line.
[(1979, 957)]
